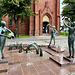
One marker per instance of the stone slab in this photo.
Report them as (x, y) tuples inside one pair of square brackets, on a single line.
[(49, 52), (72, 60), (14, 59), (43, 45), (69, 59), (1, 62), (59, 49), (4, 67), (60, 61), (31, 48)]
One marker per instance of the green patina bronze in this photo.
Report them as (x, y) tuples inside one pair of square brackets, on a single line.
[(35, 46), (53, 32), (20, 48), (41, 53), (70, 37), (3, 32)]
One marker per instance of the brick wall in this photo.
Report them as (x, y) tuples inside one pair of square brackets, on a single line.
[(34, 25)]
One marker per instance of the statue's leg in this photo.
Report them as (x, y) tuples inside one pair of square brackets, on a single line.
[(70, 46), (73, 49), (50, 40), (2, 48), (0, 53), (54, 39)]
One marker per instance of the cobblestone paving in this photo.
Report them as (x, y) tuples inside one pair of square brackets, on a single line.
[(40, 40), (32, 64)]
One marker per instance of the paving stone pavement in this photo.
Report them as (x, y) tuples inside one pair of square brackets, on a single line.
[(32, 64), (61, 41)]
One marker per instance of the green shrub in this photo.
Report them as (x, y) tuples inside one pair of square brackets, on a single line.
[(64, 33)]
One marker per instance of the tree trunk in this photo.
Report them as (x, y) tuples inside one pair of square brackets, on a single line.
[(16, 28)]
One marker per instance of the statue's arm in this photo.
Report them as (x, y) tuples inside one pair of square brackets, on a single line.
[(3, 35), (9, 30), (56, 31), (49, 26), (66, 25)]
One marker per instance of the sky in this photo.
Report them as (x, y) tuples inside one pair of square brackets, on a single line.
[(61, 11), (61, 6)]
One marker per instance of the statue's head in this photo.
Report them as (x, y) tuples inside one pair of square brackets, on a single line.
[(72, 24), (53, 27), (3, 23)]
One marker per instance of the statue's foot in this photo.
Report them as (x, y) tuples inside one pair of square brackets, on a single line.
[(0, 59), (4, 57), (53, 44), (72, 56), (48, 46), (69, 57)]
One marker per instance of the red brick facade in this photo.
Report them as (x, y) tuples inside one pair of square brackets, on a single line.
[(34, 26)]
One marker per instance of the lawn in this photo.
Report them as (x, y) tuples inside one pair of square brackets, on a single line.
[(64, 33), (20, 35)]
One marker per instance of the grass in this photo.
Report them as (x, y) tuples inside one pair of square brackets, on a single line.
[(22, 36), (64, 33)]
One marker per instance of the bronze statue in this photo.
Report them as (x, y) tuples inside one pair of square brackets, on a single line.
[(3, 32), (53, 32), (20, 48), (70, 38), (35, 46)]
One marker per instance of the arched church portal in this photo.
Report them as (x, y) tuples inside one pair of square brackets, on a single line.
[(46, 20)]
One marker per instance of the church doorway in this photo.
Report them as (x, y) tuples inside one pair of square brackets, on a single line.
[(45, 22), (45, 30)]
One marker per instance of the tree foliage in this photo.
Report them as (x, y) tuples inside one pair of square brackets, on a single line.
[(17, 9), (69, 9)]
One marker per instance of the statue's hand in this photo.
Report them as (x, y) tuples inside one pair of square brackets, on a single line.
[(69, 19), (8, 37), (11, 35)]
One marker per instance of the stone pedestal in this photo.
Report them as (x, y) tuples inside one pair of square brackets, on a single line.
[(56, 49), (72, 60), (60, 61)]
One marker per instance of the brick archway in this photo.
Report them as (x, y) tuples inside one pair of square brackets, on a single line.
[(45, 22), (45, 7), (49, 15)]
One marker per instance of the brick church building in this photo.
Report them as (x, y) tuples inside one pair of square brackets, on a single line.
[(47, 12)]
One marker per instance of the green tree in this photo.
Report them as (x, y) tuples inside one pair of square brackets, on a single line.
[(69, 9), (16, 9)]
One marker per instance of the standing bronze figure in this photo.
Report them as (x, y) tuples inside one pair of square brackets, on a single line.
[(53, 32), (3, 32), (70, 38)]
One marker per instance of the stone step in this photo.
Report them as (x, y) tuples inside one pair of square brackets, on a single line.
[(4, 66), (51, 52), (60, 61), (58, 49), (72, 60)]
